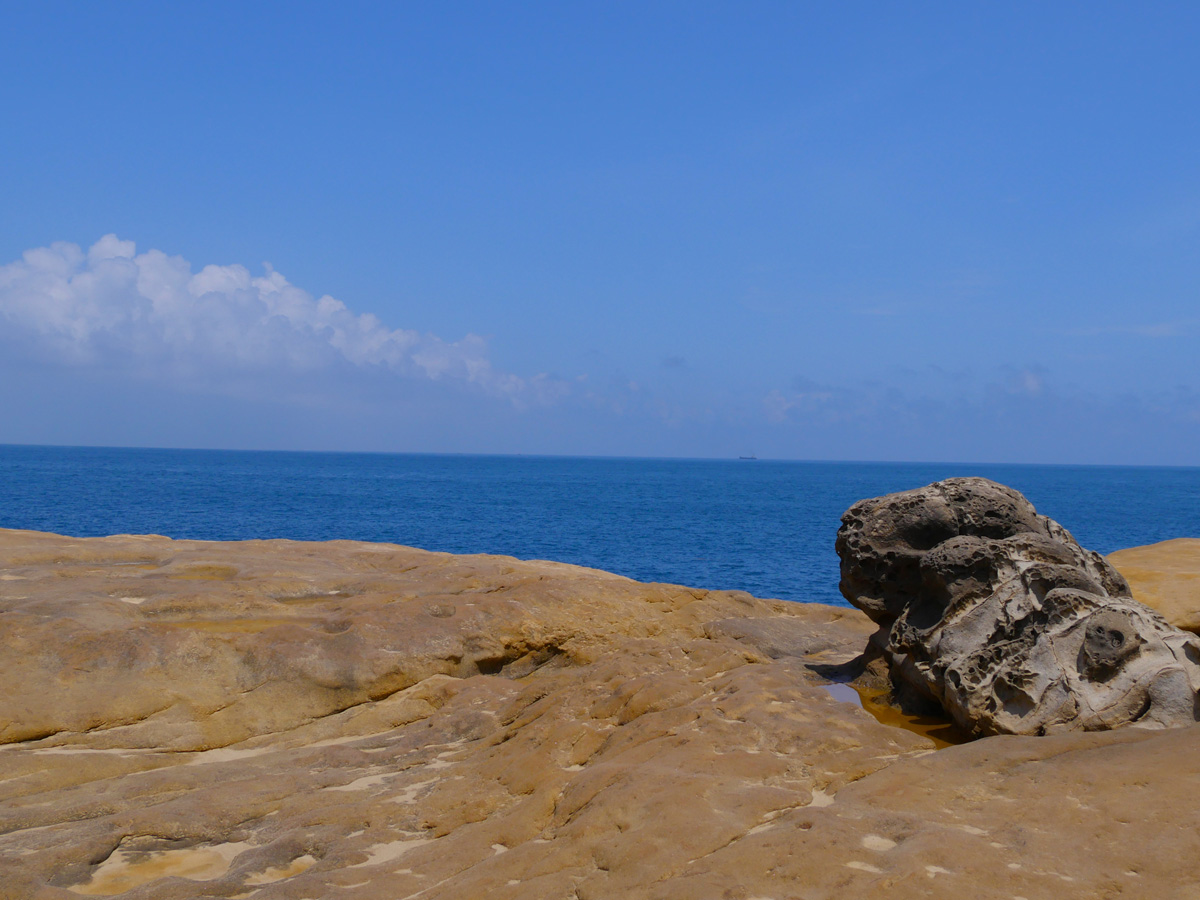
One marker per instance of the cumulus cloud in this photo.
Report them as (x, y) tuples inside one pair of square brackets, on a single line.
[(112, 306)]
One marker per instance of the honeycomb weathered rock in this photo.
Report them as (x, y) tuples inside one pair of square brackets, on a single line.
[(998, 615)]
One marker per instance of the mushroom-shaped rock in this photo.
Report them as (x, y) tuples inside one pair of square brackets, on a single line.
[(998, 615)]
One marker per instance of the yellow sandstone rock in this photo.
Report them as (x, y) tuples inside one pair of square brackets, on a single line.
[(1165, 576), (277, 720)]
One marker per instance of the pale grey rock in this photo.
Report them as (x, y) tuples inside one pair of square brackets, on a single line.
[(997, 614)]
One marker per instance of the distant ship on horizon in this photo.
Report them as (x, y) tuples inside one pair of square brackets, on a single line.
[(751, 456)]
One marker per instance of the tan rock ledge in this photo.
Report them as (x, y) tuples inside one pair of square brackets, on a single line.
[(273, 720), (1165, 576)]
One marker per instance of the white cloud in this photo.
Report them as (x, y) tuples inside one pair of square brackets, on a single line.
[(150, 312), (1178, 328), (1031, 382), (780, 406)]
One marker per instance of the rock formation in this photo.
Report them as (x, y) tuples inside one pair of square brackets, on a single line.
[(996, 614), (1166, 577), (288, 721)]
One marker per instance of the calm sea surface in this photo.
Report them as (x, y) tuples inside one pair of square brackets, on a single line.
[(760, 526)]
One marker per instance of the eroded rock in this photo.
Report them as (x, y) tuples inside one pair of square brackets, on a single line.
[(273, 720), (997, 614)]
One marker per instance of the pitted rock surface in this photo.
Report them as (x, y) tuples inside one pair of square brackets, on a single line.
[(997, 614)]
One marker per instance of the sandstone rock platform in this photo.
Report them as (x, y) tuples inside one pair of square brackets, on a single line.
[(1166, 577), (274, 720)]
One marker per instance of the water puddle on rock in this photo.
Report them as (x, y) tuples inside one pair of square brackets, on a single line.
[(127, 869), (941, 730)]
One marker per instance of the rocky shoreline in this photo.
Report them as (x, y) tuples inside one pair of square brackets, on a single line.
[(273, 719)]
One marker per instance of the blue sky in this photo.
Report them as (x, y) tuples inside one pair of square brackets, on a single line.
[(837, 231)]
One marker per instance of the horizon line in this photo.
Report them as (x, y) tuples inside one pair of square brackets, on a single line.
[(599, 456)]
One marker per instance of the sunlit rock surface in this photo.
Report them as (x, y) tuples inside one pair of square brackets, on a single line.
[(1165, 576), (285, 720), (996, 614)]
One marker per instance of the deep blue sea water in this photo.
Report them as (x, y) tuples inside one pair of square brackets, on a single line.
[(760, 526)]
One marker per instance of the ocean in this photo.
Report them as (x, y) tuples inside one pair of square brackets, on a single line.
[(761, 526)]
